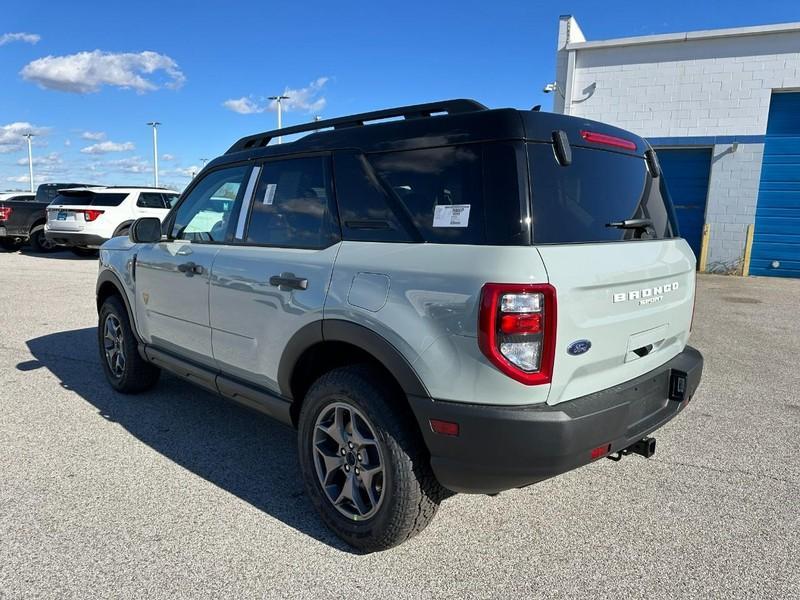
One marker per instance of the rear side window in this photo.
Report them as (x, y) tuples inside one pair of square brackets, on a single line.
[(291, 206), (151, 200), (463, 194), (578, 202), (89, 199)]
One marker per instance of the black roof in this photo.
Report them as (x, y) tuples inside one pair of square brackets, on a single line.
[(420, 125)]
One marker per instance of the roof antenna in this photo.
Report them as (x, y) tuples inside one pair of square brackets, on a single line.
[(537, 108)]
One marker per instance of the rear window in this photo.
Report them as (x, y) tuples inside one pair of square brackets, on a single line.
[(576, 203), (89, 199), (462, 194)]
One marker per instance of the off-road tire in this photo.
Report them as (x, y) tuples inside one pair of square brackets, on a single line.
[(137, 375), (411, 492)]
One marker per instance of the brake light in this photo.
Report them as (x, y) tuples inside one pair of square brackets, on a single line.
[(517, 330), (608, 140), (91, 215), (5, 213)]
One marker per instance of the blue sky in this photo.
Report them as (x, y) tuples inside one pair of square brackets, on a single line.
[(89, 75)]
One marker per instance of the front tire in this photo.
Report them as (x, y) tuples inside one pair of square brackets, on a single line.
[(363, 460), (125, 369)]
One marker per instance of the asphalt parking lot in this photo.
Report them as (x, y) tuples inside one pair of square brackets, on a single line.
[(177, 493)]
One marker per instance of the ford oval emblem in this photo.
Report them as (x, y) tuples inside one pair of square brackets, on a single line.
[(579, 347)]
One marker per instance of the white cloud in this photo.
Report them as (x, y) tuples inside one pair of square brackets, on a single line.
[(243, 106), (87, 72), (167, 157), (11, 135), (47, 160), (308, 99), (109, 146), (94, 136), (133, 164), (68, 142), (28, 38), (187, 172)]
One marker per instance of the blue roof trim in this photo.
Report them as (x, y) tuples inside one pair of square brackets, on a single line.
[(706, 140)]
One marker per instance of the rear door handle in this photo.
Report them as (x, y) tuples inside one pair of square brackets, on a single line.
[(289, 281), (191, 268)]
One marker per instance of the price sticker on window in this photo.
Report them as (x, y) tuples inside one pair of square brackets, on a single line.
[(451, 215)]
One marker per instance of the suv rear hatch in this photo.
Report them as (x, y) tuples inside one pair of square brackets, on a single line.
[(604, 226), (72, 209)]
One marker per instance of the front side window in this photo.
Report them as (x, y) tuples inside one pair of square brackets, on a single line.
[(291, 206), (205, 214)]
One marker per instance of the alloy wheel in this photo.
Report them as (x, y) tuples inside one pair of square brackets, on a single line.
[(349, 461), (113, 345)]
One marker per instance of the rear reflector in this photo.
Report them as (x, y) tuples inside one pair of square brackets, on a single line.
[(601, 451), (444, 427), (608, 140)]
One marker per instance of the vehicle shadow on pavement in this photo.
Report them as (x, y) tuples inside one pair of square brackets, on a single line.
[(238, 450)]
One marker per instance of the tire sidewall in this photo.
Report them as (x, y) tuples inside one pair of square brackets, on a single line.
[(112, 305), (318, 399)]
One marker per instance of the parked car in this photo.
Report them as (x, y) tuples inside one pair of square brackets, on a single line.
[(456, 300), (84, 218), (23, 217)]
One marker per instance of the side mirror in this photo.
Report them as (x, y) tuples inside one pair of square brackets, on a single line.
[(146, 230)]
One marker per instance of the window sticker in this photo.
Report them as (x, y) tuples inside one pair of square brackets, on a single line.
[(451, 215), (269, 194)]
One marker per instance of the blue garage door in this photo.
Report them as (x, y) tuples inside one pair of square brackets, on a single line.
[(776, 243), (687, 171)]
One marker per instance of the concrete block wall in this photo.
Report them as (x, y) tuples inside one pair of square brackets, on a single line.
[(683, 87), (731, 207)]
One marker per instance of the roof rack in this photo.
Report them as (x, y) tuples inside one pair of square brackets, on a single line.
[(414, 111)]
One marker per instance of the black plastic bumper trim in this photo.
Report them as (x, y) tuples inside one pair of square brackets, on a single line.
[(500, 448)]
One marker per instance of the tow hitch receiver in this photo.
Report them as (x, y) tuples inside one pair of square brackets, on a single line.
[(645, 447)]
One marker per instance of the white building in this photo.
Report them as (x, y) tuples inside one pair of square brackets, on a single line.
[(722, 108)]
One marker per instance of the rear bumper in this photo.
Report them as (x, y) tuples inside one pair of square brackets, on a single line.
[(70, 238), (500, 448)]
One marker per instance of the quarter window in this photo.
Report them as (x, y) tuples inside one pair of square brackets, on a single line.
[(291, 206), (205, 214)]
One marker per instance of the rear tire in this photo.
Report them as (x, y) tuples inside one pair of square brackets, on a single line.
[(352, 418), (125, 369), (10, 244), (84, 252), (39, 243)]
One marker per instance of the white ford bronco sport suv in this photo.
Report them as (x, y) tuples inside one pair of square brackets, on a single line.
[(456, 300), (84, 218)]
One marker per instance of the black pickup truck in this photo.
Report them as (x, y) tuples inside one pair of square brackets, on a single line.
[(23, 216)]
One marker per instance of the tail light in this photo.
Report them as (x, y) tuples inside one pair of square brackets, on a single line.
[(5, 213), (517, 330), (91, 215)]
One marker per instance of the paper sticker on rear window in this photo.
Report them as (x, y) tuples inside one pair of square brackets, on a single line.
[(451, 215), (269, 194)]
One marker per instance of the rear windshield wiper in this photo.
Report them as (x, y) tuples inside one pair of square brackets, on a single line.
[(631, 224)]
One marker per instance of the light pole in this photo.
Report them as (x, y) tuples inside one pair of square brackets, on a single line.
[(279, 99), (154, 125), (203, 162), (30, 158)]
